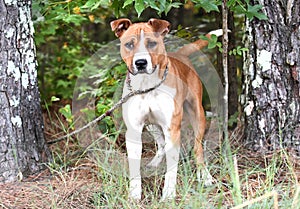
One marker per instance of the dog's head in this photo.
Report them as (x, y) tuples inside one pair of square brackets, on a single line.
[(142, 46)]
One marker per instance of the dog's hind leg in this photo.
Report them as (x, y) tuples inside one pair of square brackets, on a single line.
[(158, 136), (197, 120)]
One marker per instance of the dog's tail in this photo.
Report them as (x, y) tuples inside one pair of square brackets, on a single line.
[(189, 49)]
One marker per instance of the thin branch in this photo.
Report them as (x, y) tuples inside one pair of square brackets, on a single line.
[(225, 67)]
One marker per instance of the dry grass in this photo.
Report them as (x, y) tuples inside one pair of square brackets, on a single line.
[(83, 186), (74, 180), (70, 189)]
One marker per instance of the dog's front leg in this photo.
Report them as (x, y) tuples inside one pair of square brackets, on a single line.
[(134, 152), (172, 156)]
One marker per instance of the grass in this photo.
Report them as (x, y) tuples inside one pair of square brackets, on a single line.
[(96, 177), (269, 181)]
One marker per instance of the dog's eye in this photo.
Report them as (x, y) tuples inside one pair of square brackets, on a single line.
[(151, 44), (129, 45)]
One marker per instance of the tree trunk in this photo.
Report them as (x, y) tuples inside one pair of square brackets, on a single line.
[(271, 77), (22, 144)]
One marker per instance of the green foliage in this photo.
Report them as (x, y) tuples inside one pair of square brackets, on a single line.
[(54, 99), (162, 6), (182, 33), (237, 6), (124, 6), (108, 87), (208, 5), (67, 113), (238, 51), (233, 119), (62, 44), (212, 42), (65, 42), (253, 11), (244, 7), (94, 4)]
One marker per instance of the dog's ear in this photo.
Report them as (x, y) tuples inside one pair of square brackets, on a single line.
[(160, 26), (119, 26)]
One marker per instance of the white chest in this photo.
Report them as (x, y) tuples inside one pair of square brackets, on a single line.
[(156, 106)]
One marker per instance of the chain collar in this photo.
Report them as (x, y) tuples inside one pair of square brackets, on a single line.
[(128, 80)]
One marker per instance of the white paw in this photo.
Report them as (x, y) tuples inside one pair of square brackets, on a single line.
[(169, 193), (135, 190), (204, 175), (135, 194)]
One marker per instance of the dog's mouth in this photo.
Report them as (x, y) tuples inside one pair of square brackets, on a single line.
[(144, 70)]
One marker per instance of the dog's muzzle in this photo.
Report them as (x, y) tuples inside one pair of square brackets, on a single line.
[(141, 66)]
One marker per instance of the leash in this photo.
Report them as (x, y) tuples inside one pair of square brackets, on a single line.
[(110, 111)]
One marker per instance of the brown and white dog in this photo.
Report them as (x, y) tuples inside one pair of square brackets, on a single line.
[(143, 51)]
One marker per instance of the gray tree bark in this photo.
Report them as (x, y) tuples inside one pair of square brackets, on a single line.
[(271, 77), (22, 144)]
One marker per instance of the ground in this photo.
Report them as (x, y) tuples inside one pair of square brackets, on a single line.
[(77, 178)]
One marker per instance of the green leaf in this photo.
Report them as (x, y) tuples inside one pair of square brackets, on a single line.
[(233, 119), (211, 45), (162, 6), (54, 99), (212, 41), (238, 9), (67, 113), (238, 51), (208, 5), (89, 4), (139, 7), (104, 2), (62, 83), (253, 11), (231, 3), (94, 4), (171, 5), (71, 18), (152, 4), (204, 38), (102, 108), (116, 7), (127, 2)]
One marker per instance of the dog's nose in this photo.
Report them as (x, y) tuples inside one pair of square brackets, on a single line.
[(141, 64)]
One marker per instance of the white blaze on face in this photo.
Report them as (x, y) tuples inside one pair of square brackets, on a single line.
[(142, 54)]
